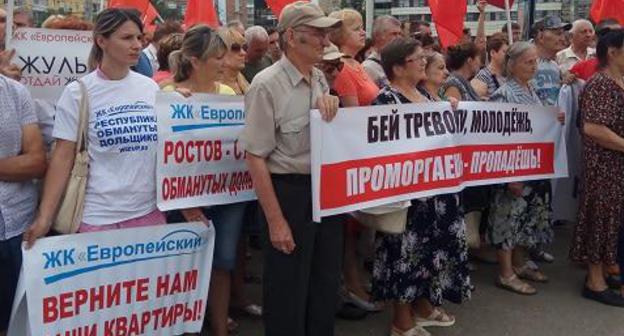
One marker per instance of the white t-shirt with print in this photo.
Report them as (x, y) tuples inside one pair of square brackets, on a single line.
[(122, 145)]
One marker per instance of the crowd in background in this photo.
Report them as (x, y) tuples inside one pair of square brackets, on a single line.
[(313, 272)]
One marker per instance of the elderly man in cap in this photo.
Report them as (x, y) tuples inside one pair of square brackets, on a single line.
[(302, 259), (549, 40)]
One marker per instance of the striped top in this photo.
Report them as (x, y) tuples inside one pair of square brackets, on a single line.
[(512, 92), (464, 87), (492, 81)]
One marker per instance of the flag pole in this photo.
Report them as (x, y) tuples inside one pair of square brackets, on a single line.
[(508, 12), (9, 24), (370, 13)]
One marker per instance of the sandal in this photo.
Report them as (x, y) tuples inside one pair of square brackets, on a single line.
[(514, 284), (438, 318), (416, 331), (527, 273)]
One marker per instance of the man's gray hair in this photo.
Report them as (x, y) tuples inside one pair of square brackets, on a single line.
[(255, 33), (578, 24), (382, 22)]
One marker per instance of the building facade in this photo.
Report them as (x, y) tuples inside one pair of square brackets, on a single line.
[(418, 10)]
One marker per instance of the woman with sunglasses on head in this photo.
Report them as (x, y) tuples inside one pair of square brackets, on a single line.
[(112, 200), (427, 263), (199, 66)]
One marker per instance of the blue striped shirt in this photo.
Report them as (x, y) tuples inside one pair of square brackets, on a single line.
[(512, 92)]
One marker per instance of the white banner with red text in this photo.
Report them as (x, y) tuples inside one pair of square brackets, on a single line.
[(144, 281), (372, 156), (50, 59), (199, 160)]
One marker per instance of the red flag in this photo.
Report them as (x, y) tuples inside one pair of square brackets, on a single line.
[(200, 11), (140, 5), (448, 16), (500, 3), (276, 6), (150, 17), (607, 9)]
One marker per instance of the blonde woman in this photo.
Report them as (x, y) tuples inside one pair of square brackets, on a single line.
[(234, 61), (353, 85), (199, 64)]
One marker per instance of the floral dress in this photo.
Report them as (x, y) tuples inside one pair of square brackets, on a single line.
[(520, 221), (429, 259), (601, 206)]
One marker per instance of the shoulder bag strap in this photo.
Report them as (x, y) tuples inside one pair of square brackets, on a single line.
[(82, 140)]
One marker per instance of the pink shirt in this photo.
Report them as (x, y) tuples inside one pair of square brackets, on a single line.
[(160, 76)]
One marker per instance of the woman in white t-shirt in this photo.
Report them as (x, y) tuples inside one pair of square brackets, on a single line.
[(122, 136)]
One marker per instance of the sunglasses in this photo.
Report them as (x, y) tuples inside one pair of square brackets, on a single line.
[(235, 47), (332, 66)]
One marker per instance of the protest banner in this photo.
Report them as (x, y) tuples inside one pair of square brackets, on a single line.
[(50, 59), (144, 281), (199, 160), (400, 152)]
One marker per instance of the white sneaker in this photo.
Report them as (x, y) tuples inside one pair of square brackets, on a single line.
[(416, 331)]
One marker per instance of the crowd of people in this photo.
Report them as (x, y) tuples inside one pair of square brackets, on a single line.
[(313, 272)]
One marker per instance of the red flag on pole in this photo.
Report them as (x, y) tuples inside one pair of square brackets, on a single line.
[(276, 6), (607, 9), (200, 11), (448, 16), (150, 17), (140, 5), (500, 3)]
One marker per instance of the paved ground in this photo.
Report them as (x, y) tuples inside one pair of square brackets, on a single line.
[(557, 310)]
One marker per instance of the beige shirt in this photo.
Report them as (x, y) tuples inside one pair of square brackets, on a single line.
[(566, 58), (277, 125)]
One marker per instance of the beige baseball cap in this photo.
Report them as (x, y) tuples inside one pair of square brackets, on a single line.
[(303, 13), (332, 53)]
